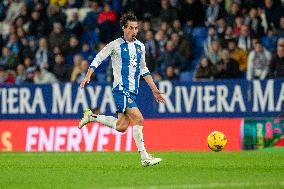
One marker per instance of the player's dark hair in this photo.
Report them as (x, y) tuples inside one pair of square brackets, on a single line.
[(128, 16)]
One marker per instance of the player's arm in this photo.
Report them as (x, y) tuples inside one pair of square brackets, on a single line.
[(148, 78), (156, 92), (103, 54)]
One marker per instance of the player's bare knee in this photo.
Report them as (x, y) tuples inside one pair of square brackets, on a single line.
[(121, 129), (139, 121)]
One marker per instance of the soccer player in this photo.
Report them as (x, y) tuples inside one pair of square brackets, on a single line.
[(128, 62)]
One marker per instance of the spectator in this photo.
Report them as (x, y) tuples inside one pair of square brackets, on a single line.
[(30, 49), (280, 30), (42, 76), (23, 39), (227, 68), (177, 27), (164, 26), (24, 13), (229, 33), (273, 13), (146, 26), (193, 10), (188, 29), (151, 51), (43, 57), (76, 67), (3, 75), (90, 21), (13, 44), (55, 15), (245, 40), (30, 74), (205, 70), (214, 54), (277, 63), (19, 22), (40, 6), (6, 77), (13, 10), (8, 60), (169, 58), (221, 28), (106, 21), (28, 62), (73, 48), (58, 37), (2, 11), (269, 41), (74, 26), (167, 13), (61, 69), (233, 13), (161, 40), (185, 55), (83, 71), (238, 55), (175, 38), (21, 75), (238, 26), (212, 35), (107, 14), (262, 16), (213, 13), (38, 27), (170, 74), (258, 63), (254, 22), (87, 53)]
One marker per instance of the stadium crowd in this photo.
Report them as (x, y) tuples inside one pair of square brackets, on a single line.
[(47, 41)]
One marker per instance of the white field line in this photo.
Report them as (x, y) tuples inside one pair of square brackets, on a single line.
[(205, 185)]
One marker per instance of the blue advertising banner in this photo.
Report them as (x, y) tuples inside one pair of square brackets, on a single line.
[(230, 98)]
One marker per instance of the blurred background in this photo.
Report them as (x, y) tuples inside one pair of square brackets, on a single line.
[(219, 63)]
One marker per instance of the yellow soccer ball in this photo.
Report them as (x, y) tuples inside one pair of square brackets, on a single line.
[(216, 141)]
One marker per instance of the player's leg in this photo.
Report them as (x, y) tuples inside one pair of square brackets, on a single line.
[(109, 121), (120, 124), (136, 117), (89, 116)]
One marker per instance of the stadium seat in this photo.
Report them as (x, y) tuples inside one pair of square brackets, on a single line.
[(83, 12), (195, 62), (90, 37), (186, 76), (199, 32), (101, 77)]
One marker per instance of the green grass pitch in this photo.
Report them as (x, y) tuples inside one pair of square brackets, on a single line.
[(250, 169)]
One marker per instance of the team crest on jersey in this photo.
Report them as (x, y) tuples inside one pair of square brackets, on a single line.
[(138, 50)]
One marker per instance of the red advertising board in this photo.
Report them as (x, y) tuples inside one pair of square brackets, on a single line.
[(159, 135)]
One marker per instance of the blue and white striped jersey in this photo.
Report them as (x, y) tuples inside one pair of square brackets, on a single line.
[(128, 63)]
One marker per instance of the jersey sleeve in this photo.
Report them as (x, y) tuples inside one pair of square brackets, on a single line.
[(102, 55), (143, 69)]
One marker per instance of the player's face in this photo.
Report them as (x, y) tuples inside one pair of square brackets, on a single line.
[(130, 31)]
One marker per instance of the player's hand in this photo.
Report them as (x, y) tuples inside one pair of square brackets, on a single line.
[(159, 96), (86, 80)]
